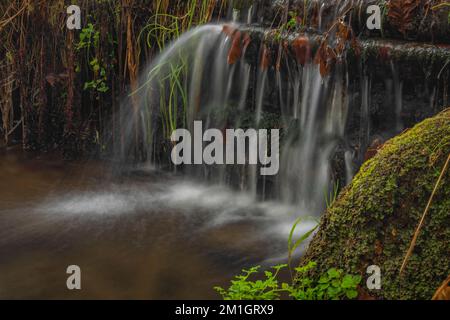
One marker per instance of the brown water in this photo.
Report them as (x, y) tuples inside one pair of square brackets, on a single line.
[(140, 235)]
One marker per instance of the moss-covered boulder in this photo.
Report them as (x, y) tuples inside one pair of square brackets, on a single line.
[(374, 219)]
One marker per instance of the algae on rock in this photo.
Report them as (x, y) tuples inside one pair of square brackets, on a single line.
[(375, 217)]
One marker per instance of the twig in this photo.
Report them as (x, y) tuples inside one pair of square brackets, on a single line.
[(441, 289), (444, 4), (14, 128), (4, 22), (419, 227)]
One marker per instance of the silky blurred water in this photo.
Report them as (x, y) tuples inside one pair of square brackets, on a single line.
[(136, 234)]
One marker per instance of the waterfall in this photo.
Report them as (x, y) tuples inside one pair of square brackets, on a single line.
[(200, 78), (317, 118)]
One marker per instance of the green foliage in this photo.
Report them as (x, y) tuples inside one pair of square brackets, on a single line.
[(332, 285), (243, 289), (292, 23), (9, 57), (161, 28), (98, 84), (293, 245), (89, 39), (332, 196)]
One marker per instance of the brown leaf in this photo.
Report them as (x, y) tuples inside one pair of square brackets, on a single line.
[(235, 52), (340, 48), (394, 233), (283, 49), (344, 32), (302, 49), (443, 293), (265, 58), (356, 47), (51, 79), (385, 53), (324, 68), (320, 54), (402, 14), (373, 149), (229, 29), (325, 57), (363, 295)]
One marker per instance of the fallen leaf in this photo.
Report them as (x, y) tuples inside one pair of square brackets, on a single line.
[(443, 293)]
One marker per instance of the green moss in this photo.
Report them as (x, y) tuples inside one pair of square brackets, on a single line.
[(375, 217)]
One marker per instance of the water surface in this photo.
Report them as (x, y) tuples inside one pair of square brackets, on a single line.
[(138, 234)]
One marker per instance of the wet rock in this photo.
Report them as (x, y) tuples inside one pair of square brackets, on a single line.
[(375, 217)]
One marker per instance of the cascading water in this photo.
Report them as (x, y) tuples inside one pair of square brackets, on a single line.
[(218, 75), (203, 76), (152, 229), (317, 119)]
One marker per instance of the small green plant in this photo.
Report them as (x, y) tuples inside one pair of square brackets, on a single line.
[(89, 41), (98, 84), (243, 289), (293, 245), (292, 23), (332, 285), (88, 38), (331, 197)]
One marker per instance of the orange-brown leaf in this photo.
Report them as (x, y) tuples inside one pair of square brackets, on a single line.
[(265, 58), (229, 29), (320, 54), (235, 52), (385, 53), (443, 293), (325, 58), (302, 50), (344, 31), (324, 68), (402, 14), (356, 47)]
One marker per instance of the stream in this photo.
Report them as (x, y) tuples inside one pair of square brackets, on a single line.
[(138, 233)]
